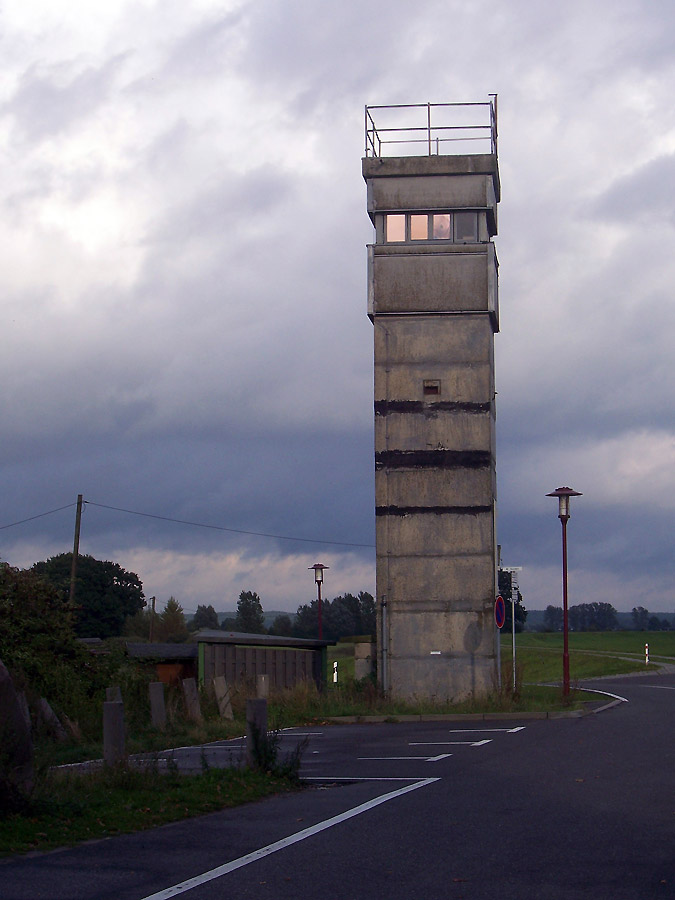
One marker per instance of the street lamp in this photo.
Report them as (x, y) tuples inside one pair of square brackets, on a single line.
[(563, 494), (318, 578)]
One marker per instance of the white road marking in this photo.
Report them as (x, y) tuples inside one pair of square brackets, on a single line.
[(284, 842), (449, 743), (486, 730), (606, 693), (418, 758)]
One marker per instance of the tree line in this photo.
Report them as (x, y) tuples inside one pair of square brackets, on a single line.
[(109, 602), (345, 615), (600, 617)]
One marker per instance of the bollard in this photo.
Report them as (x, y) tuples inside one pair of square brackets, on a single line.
[(263, 687), (223, 697), (646, 654), (157, 705), (113, 732), (335, 672), (256, 729)]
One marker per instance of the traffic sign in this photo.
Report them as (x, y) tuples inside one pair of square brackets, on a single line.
[(500, 612)]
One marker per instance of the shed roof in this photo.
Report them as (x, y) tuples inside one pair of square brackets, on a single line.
[(212, 636)]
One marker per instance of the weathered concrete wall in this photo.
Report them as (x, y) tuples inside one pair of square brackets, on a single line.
[(434, 309)]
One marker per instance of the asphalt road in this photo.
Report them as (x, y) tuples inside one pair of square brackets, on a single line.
[(563, 808)]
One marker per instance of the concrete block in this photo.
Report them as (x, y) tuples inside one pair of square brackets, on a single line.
[(157, 705), (441, 430), (445, 583), (364, 660), (223, 698), (436, 535), (434, 487), (429, 284), (263, 686), (191, 695), (48, 719), (16, 746), (113, 732), (256, 728)]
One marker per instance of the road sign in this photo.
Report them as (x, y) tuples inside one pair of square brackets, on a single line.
[(500, 612)]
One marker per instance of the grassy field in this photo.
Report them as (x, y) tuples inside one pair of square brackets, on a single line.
[(592, 654)]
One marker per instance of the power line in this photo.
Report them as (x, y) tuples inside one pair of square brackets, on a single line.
[(39, 516), (280, 537)]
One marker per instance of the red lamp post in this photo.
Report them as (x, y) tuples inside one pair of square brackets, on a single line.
[(318, 578), (563, 494)]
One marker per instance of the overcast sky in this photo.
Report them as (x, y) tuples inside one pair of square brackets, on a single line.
[(183, 284)]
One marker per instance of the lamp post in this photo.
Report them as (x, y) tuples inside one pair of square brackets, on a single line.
[(563, 494), (318, 578)]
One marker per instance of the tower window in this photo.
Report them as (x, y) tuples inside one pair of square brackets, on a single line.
[(431, 388), (460, 227), (395, 228), (466, 227), (419, 228), (441, 227)]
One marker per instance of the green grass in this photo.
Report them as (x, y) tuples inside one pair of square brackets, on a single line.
[(67, 809), (592, 654)]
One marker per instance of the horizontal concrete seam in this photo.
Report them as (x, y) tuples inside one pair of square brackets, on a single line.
[(432, 510), (433, 459), (416, 407)]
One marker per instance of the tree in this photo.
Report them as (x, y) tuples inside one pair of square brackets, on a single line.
[(640, 618), (37, 635), (250, 615), (346, 615), (205, 617), (553, 618), (593, 617), (171, 625), (105, 593), (506, 590), (282, 626)]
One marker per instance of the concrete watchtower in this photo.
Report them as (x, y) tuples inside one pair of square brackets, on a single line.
[(432, 299)]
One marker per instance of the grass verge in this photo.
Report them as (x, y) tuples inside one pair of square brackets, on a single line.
[(68, 809)]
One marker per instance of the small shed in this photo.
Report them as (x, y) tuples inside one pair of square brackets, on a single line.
[(172, 662), (239, 656)]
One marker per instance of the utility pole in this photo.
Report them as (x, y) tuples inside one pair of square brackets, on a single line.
[(152, 619), (76, 550)]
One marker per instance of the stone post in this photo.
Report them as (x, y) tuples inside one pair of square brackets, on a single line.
[(223, 697), (263, 686), (157, 705), (256, 728), (191, 695), (113, 732)]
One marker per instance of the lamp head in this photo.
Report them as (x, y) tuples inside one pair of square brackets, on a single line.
[(318, 571), (563, 494)]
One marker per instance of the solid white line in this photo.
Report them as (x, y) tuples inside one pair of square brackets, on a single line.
[(482, 730), (449, 743), (418, 758), (283, 843), (363, 777), (606, 693)]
